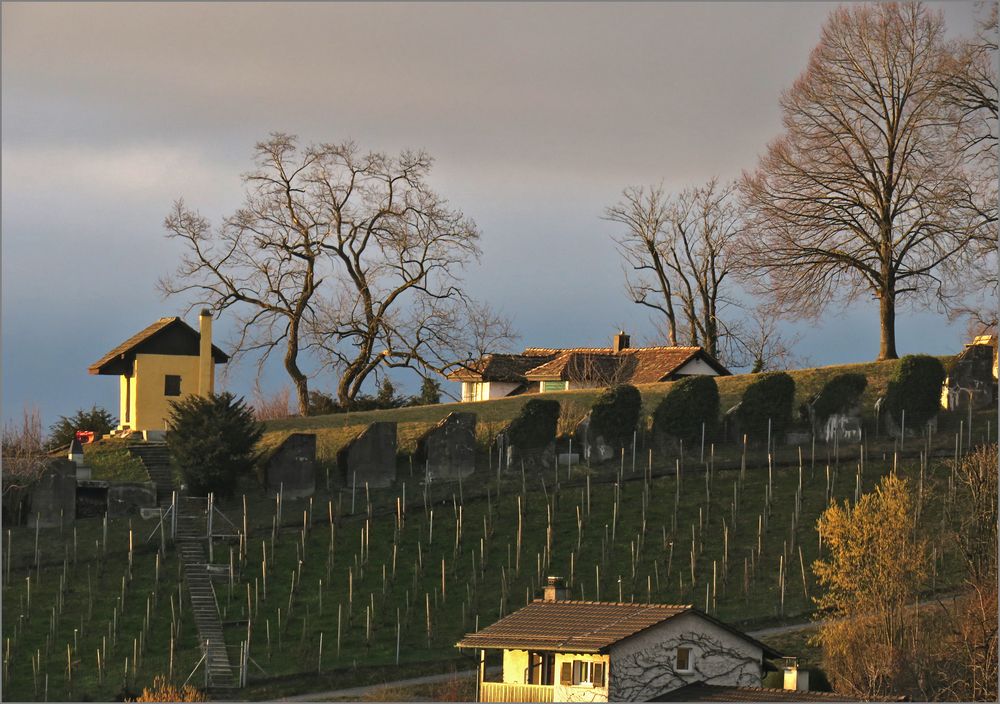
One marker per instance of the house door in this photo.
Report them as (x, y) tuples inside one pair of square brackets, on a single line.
[(541, 668)]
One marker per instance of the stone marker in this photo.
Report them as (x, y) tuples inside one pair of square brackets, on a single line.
[(293, 466), (53, 496), (128, 498), (448, 450), (971, 379), (594, 448), (370, 457)]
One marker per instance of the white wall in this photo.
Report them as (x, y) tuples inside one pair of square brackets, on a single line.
[(643, 666), (696, 366), (486, 390)]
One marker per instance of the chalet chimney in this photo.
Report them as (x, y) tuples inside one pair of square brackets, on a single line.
[(555, 590), (794, 679), (621, 342), (206, 366)]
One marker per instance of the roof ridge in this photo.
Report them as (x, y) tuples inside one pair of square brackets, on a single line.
[(614, 603)]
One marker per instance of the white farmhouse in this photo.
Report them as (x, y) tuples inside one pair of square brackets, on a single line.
[(584, 651), (545, 369)]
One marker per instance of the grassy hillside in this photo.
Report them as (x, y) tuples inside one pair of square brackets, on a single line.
[(334, 431)]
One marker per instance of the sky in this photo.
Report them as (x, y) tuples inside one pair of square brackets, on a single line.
[(537, 117)]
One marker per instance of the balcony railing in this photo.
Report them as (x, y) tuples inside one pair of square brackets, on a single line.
[(509, 692)]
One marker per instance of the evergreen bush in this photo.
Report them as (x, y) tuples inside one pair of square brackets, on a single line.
[(839, 395), (615, 414), (915, 387), (688, 404), (64, 430), (211, 441), (535, 426), (768, 398)]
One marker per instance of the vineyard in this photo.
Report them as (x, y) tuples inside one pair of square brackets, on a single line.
[(317, 591)]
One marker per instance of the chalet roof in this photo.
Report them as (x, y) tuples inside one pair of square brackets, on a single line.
[(702, 692), (581, 626), (146, 340), (500, 367), (634, 365)]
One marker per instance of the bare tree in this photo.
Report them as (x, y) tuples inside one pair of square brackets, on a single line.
[(863, 192), (345, 255), (397, 249), (969, 80), (679, 251), (757, 343), (263, 261)]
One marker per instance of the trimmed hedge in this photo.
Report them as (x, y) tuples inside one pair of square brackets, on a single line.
[(615, 415), (689, 403), (769, 397), (839, 394), (535, 426), (915, 387)]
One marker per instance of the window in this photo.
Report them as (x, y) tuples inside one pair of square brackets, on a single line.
[(582, 673), (541, 668), (172, 385), (553, 386), (684, 659)]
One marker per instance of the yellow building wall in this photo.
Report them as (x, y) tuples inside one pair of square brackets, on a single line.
[(149, 407), (580, 693), (515, 662)]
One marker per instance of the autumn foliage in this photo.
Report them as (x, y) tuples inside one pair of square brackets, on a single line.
[(163, 691)]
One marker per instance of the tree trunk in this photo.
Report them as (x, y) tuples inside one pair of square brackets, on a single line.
[(300, 380), (887, 325)]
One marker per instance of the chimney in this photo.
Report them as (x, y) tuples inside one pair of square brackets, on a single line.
[(206, 365), (76, 452), (795, 679), (555, 590), (621, 342)]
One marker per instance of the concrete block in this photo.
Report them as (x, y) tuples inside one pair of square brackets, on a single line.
[(53, 496), (292, 467), (448, 450), (370, 457), (128, 498)]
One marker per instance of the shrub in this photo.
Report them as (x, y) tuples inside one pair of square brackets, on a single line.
[(615, 415), (535, 426), (838, 395), (769, 397), (689, 403), (64, 430), (321, 404), (110, 459), (211, 441), (915, 387), (164, 691)]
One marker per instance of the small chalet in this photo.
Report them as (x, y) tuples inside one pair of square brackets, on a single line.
[(586, 651), (542, 369), (162, 363)]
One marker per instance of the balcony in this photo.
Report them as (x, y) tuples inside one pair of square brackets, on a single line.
[(510, 692)]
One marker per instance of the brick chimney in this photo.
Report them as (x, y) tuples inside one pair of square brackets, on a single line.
[(621, 342), (555, 590), (206, 365)]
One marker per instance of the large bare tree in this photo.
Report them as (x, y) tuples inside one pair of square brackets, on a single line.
[(263, 262), (678, 253), (346, 256), (863, 192)]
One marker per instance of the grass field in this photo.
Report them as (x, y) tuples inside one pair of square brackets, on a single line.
[(401, 581)]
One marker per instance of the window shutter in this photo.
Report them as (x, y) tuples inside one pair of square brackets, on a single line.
[(598, 674), (566, 673)]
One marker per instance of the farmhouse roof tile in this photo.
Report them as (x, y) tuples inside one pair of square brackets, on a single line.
[(500, 367), (580, 626)]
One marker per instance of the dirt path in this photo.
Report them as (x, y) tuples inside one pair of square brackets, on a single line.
[(357, 692)]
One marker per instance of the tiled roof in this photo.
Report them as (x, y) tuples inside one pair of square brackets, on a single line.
[(576, 626), (636, 365), (701, 692), (500, 367), (143, 335)]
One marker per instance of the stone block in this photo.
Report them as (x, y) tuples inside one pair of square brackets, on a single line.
[(53, 495), (127, 498), (842, 427), (292, 467), (448, 450), (531, 459), (370, 457), (593, 447)]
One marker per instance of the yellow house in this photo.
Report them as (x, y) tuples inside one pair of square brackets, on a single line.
[(166, 362)]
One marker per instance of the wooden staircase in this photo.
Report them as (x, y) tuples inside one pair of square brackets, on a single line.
[(156, 459), (191, 534)]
